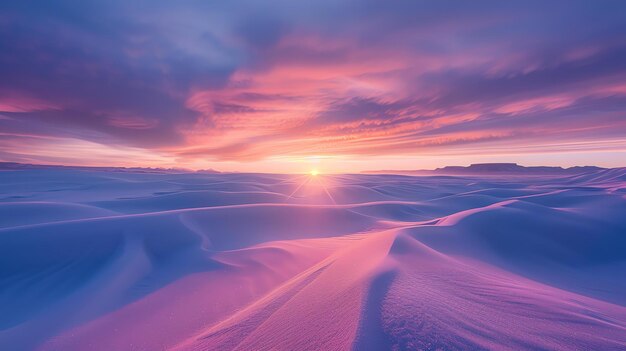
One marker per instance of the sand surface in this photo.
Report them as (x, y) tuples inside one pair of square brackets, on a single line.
[(109, 260)]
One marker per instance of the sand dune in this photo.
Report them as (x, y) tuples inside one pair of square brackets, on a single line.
[(103, 260)]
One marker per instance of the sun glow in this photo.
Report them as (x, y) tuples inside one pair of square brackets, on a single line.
[(311, 185)]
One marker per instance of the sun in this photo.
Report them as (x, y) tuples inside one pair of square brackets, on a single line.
[(314, 172)]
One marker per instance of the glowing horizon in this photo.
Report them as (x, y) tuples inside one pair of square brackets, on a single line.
[(335, 86)]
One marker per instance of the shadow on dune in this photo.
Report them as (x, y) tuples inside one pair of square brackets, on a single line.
[(371, 334)]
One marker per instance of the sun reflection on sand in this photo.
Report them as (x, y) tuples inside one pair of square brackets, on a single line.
[(311, 181)]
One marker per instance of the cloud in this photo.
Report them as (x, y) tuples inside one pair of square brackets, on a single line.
[(243, 80)]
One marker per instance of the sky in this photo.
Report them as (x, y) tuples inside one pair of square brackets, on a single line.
[(288, 86)]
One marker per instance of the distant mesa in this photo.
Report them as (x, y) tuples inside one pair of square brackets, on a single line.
[(495, 168), (6, 166), (486, 168)]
